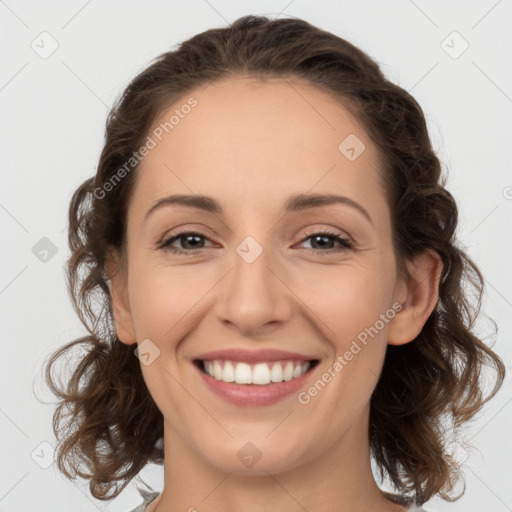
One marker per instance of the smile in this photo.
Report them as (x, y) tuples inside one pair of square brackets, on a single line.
[(254, 378), (261, 374)]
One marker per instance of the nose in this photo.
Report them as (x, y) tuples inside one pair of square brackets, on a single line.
[(254, 297)]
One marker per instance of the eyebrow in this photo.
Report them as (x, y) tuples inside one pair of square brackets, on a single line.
[(295, 203)]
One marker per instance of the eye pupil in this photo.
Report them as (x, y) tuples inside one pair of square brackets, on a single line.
[(186, 237), (322, 237)]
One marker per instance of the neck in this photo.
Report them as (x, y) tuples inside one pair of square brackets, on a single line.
[(338, 480)]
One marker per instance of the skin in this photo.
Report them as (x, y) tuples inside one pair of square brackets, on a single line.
[(250, 145)]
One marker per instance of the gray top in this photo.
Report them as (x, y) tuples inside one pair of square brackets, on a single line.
[(149, 496), (403, 500)]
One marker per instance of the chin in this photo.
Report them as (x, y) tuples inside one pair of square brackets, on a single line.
[(254, 456)]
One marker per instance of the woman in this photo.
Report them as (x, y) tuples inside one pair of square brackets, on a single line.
[(282, 294)]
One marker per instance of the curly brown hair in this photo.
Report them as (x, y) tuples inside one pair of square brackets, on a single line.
[(107, 423)]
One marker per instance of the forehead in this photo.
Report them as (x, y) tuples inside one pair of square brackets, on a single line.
[(246, 141)]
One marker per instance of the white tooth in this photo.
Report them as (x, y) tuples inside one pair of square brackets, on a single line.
[(229, 372), (288, 371), (297, 372), (276, 373), (261, 374), (243, 374), (217, 370)]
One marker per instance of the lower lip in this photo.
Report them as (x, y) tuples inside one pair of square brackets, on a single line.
[(254, 395)]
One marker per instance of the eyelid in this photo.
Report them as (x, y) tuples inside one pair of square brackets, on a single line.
[(330, 231), (308, 232), (184, 228)]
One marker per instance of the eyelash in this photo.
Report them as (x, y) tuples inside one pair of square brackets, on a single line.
[(346, 244)]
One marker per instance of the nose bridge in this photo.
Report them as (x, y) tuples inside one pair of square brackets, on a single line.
[(253, 296)]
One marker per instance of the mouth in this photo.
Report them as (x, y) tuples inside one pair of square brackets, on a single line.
[(248, 379), (264, 373)]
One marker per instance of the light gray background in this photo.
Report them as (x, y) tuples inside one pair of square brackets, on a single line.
[(53, 112)]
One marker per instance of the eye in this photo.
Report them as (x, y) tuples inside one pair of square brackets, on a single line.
[(191, 243), (321, 239)]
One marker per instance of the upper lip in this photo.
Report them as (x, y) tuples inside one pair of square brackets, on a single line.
[(253, 356)]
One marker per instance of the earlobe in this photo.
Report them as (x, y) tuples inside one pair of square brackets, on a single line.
[(418, 297), (119, 299)]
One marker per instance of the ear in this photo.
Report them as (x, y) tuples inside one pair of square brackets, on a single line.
[(418, 296), (117, 272)]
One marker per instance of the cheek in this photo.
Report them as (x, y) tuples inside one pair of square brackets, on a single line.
[(164, 301), (352, 307), (347, 300)]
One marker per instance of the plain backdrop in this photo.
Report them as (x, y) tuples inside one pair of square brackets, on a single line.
[(454, 57)]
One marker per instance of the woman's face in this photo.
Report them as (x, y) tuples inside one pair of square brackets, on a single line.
[(256, 277)]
